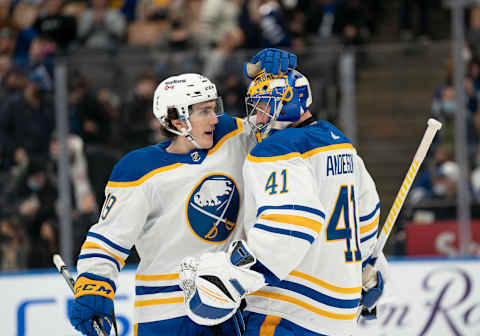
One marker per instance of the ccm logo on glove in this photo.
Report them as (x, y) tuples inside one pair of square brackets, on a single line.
[(85, 286)]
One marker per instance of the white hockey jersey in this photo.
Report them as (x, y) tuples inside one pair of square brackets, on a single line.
[(169, 206), (312, 213)]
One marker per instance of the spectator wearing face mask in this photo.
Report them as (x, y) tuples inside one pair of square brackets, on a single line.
[(444, 108)]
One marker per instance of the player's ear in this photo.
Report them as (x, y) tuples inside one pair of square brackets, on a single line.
[(178, 124)]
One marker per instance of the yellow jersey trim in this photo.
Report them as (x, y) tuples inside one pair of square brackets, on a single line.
[(155, 302), (295, 220), (304, 305), (155, 277), (326, 285), (370, 226), (90, 245), (297, 154), (143, 178), (269, 325), (227, 136)]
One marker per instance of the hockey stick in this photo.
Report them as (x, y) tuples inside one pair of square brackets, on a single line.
[(433, 127), (63, 269), (370, 273)]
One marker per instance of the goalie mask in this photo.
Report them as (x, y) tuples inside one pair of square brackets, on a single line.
[(180, 93), (274, 102)]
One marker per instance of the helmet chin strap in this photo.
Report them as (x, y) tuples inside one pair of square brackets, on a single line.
[(186, 133), (192, 140)]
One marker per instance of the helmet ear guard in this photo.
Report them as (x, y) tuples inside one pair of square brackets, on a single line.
[(287, 95)]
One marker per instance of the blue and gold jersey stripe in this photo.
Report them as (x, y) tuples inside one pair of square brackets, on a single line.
[(304, 155), (108, 242), (317, 296), (154, 302), (294, 220), (138, 182), (145, 290), (89, 245), (227, 136), (326, 285), (269, 325), (292, 233), (103, 256), (304, 305), (368, 227), (371, 214), (291, 207), (156, 277)]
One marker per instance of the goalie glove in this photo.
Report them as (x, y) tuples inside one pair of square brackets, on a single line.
[(372, 290), (274, 61), (215, 284)]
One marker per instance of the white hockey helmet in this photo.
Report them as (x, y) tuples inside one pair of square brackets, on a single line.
[(181, 92)]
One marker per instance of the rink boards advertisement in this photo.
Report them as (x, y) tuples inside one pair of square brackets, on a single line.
[(426, 297)]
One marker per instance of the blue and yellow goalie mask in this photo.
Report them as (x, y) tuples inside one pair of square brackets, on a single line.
[(274, 102)]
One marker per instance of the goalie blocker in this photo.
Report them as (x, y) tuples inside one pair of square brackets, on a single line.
[(215, 284)]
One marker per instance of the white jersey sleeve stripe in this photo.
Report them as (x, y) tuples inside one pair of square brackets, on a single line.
[(296, 234)]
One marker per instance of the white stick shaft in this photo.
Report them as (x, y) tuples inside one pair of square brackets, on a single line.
[(433, 127), (63, 269)]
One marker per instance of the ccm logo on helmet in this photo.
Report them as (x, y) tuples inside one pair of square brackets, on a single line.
[(168, 87)]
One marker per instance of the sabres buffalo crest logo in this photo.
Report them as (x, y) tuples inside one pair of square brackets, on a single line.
[(212, 208)]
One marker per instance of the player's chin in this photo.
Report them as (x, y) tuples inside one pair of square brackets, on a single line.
[(206, 142)]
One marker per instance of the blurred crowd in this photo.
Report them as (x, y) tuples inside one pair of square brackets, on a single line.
[(105, 124)]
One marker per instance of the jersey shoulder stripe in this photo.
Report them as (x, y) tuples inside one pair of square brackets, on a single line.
[(226, 128), (300, 142), (139, 165)]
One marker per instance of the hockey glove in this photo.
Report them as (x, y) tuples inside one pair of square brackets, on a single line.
[(93, 298), (274, 61), (372, 290), (215, 284)]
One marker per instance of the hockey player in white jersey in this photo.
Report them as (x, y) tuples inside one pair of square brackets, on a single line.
[(173, 199), (311, 219)]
